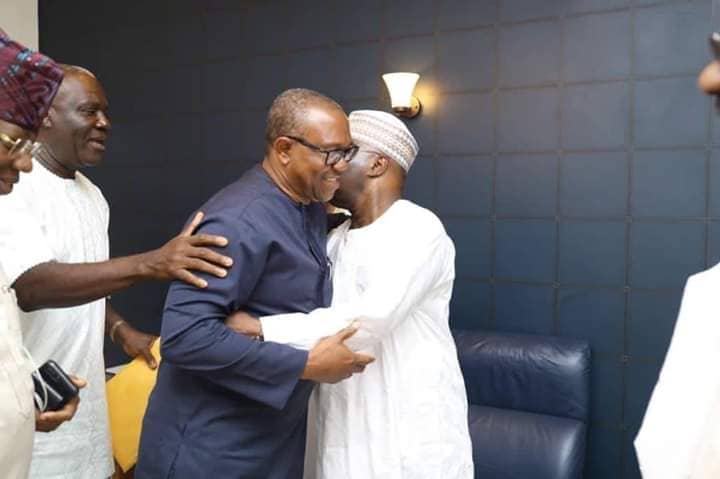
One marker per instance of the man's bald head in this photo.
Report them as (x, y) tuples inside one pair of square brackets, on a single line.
[(288, 112), (76, 129), (76, 70), (73, 73)]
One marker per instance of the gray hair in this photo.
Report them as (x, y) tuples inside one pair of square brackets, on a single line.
[(286, 113)]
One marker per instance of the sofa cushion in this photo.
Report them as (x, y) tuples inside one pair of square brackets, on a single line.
[(511, 444)]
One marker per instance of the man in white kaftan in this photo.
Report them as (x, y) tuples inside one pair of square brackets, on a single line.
[(680, 434), (54, 250), (393, 272), (28, 83), (56, 219)]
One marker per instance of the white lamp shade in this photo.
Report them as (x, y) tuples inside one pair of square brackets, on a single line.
[(401, 86)]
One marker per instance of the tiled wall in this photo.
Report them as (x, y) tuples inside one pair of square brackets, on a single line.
[(564, 145)]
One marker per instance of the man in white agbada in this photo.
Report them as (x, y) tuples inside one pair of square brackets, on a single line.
[(393, 272), (680, 434), (54, 249)]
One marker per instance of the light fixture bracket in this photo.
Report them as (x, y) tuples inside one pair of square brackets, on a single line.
[(409, 112)]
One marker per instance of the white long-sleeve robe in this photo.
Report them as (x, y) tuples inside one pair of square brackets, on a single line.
[(680, 434), (17, 411), (48, 218), (405, 417)]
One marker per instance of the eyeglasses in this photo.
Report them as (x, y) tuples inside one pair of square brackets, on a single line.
[(331, 156), (18, 146)]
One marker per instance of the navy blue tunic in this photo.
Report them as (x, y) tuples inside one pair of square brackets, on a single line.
[(225, 406)]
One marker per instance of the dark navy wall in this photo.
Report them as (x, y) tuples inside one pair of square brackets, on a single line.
[(564, 144)]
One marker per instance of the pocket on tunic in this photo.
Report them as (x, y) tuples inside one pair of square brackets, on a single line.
[(16, 390)]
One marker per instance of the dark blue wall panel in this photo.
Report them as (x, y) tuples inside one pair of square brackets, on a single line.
[(563, 142)]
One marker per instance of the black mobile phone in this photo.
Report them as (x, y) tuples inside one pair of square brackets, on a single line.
[(58, 385)]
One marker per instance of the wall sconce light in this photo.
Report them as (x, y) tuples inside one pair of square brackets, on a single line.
[(401, 86)]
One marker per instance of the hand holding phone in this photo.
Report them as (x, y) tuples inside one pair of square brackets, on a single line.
[(50, 420), (53, 387)]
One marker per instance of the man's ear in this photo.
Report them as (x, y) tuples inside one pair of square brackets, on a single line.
[(282, 146), (379, 166), (47, 122)]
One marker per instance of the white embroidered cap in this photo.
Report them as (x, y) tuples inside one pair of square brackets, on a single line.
[(385, 134)]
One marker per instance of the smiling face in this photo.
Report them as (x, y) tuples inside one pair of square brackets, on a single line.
[(327, 128), (12, 165), (77, 126)]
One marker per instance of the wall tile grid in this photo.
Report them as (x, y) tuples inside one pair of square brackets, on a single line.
[(564, 144)]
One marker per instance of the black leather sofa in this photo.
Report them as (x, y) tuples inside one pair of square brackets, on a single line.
[(528, 404)]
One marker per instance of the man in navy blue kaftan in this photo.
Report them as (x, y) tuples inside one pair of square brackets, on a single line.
[(226, 406)]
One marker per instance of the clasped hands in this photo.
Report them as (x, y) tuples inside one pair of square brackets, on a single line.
[(329, 361)]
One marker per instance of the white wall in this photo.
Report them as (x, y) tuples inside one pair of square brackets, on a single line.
[(19, 18)]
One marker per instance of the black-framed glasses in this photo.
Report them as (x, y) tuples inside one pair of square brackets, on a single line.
[(18, 146), (331, 156)]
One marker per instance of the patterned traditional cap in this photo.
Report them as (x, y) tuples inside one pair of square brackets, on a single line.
[(28, 84), (384, 133)]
